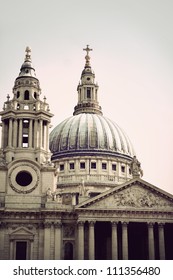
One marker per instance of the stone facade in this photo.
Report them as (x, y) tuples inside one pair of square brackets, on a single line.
[(84, 204)]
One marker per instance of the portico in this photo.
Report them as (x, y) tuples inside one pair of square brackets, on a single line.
[(123, 240)]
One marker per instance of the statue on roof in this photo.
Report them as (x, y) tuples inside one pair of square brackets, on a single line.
[(136, 168), (82, 189)]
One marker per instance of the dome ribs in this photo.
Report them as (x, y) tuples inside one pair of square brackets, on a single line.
[(89, 133)]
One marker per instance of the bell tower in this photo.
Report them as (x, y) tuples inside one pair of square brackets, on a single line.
[(25, 159), (25, 118)]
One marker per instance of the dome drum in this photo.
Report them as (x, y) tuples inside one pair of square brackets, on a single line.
[(98, 170)]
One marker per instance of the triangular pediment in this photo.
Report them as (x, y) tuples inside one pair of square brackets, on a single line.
[(21, 231), (135, 194)]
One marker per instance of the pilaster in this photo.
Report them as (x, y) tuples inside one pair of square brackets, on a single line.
[(47, 228), (58, 240)]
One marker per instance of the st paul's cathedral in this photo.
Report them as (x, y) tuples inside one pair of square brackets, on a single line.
[(76, 193)]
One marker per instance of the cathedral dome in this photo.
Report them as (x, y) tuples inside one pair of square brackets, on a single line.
[(89, 134)]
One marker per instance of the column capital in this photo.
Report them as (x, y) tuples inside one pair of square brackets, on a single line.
[(57, 225), (124, 224), (91, 223), (80, 223), (161, 225), (150, 224), (40, 226), (114, 223), (3, 225), (47, 224)]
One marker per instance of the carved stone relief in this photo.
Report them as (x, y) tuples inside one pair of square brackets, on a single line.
[(135, 197), (68, 231), (138, 197)]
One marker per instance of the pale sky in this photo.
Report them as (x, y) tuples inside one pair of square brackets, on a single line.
[(132, 58)]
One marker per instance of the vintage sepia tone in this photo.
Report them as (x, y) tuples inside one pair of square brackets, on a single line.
[(78, 193)]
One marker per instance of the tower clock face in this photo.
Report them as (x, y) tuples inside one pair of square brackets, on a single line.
[(24, 178)]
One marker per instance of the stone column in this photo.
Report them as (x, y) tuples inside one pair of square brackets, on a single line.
[(47, 228), (40, 241), (80, 240), (30, 257), (151, 241), (10, 133), (20, 134), (2, 135), (114, 241), (161, 241), (47, 137), (12, 250), (58, 232), (1, 241), (36, 134), (30, 134), (125, 241), (41, 134), (15, 134), (91, 241)]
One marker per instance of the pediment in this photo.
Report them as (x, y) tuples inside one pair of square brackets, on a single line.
[(133, 195), (21, 233)]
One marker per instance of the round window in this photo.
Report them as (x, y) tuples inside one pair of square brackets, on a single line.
[(23, 178)]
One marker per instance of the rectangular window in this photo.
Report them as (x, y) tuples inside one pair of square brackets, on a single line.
[(88, 92), (114, 167), (61, 167), (93, 165), (71, 165), (82, 165), (122, 168), (25, 124), (104, 166), (25, 141)]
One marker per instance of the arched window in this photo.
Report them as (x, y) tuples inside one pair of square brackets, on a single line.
[(18, 94), (26, 95), (68, 251)]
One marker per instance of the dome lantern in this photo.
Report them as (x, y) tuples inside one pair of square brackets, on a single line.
[(87, 90)]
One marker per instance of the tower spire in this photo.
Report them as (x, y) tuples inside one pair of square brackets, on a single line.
[(87, 57), (28, 54), (26, 118), (87, 90)]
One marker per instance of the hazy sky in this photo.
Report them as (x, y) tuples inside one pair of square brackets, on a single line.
[(132, 57)]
